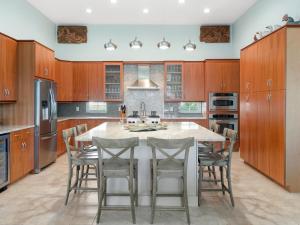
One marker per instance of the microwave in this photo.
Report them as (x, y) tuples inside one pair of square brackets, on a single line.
[(223, 101)]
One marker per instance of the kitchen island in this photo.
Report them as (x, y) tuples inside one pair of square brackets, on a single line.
[(175, 130)]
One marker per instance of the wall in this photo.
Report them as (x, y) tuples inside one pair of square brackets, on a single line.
[(262, 14), (21, 21), (150, 35)]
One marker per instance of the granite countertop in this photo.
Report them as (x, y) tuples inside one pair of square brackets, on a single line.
[(9, 129), (175, 130)]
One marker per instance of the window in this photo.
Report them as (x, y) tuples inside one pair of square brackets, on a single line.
[(96, 107), (190, 107)]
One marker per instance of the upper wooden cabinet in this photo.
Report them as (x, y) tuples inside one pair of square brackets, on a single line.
[(21, 153), (44, 62), (174, 81), (64, 80), (113, 81), (222, 75), (96, 80), (194, 81), (8, 69), (80, 81)]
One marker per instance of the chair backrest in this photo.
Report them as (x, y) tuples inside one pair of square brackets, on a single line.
[(214, 127), (82, 128), (115, 148), (170, 150), (230, 135), (71, 145)]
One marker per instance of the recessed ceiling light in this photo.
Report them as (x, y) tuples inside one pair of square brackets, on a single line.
[(181, 1), (145, 10), (88, 10), (113, 1), (206, 10)]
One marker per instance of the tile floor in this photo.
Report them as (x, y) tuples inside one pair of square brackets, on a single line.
[(39, 200)]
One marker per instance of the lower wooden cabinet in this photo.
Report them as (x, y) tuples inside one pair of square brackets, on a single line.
[(21, 153)]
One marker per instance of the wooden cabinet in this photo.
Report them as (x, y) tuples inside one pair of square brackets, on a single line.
[(222, 76), (194, 81), (80, 81), (8, 69), (96, 80), (113, 81), (61, 147), (64, 80), (268, 106), (21, 153), (173, 81), (44, 62)]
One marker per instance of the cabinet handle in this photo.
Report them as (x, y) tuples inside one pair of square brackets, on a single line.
[(25, 145), (5, 92), (248, 85), (269, 97), (8, 92), (247, 98), (46, 71)]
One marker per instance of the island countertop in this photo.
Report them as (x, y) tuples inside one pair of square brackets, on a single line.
[(175, 130)]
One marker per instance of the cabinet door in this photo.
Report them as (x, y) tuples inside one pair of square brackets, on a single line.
[(95, 75), (44, 62), (263, 132), (277, 136), (174, 81), (193, 81), (2, 66), (64, 80), (28, 152), (113, 81), (278, 60), (213, 77), (80, 81), (245, 130), (231, 76), (16, 156)]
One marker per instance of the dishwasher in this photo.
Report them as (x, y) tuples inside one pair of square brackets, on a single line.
[(4, 161)]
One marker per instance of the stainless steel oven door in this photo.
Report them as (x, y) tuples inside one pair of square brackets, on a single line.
[(231, 124)]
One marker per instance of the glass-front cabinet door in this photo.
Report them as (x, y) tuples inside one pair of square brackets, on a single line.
[(113, 84), (173, 81)]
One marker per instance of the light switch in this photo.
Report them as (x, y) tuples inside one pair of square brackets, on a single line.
[(77, 109)]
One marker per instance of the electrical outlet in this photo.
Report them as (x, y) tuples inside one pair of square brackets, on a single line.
[(77, 109)]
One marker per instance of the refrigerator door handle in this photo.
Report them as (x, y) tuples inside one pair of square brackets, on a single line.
[(50, 105), (53, 105), (49, 137)]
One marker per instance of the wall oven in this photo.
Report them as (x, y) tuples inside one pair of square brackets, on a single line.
[(230, 120), (223, 101), (4, 161)]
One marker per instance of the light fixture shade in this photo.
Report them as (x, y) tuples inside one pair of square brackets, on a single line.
[(189, 46), (135, 44), (164, 44), (110, 46)]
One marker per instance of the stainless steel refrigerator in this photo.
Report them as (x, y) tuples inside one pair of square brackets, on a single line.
[(45, 114)]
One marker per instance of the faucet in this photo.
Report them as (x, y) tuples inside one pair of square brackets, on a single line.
[(143, 109)]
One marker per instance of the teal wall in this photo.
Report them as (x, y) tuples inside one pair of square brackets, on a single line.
[(150, 35), (262, 14), (20, 20)]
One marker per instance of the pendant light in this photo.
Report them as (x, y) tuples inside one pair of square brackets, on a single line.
[(110, 46), (189, 46), (135, 44), (163, 44)]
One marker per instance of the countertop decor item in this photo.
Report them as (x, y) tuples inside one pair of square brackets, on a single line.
[(110, 46), (71, 34), (140, 127)]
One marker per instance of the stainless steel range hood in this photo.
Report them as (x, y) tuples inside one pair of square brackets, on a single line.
[(144, 81)]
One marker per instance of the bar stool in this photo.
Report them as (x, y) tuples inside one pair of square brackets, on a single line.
[(76, 159), (221, 159), (115, 167), (169, 166), (205, 148)]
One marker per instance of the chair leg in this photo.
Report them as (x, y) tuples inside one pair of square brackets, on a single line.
[(186, 202), (181, 181), (105, 191), (70, 175), (132, 198), (200, 174), (77, 178), (229, 186), (136, 181), (153, 204), (81, 176), (100, 197), (209, 171), (214, 174), (222, 179), (87, 173)]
